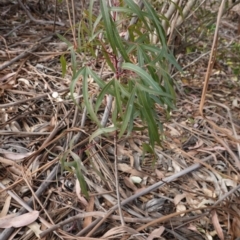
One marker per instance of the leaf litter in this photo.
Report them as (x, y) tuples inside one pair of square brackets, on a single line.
[(40, 127)]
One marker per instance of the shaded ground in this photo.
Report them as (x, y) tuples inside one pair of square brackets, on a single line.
[(38, 131)]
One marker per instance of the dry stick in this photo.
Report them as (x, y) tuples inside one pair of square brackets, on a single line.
[(16, 28), (38, 21), (232, 124), (211, 59), (20, 56), (99, 221), (91, 214), (40, 96), (117, 179), (27, 206), (165, 218)]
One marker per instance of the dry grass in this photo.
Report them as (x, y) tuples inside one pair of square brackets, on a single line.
[(39, 130)]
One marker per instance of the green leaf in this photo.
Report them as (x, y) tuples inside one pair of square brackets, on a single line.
[(119, 45), (103, 92), (87, 100), (73, 61), (73, 84), (152, 91), (81, 180), (101, 131), (64, 65), (118, 100), (65, 40), (77, 159), (138, 11), (143, 74), (96, 78), (156, 22), (109, 26), (148, 115), (128, 112)]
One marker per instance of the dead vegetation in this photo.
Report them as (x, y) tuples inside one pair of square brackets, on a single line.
[(187, 189)]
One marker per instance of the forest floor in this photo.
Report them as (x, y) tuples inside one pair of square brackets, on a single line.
[(191, 182)]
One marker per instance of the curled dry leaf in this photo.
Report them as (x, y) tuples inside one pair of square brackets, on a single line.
[(35, 227), (178, 198), (17, 156), (120, 231), (18, 221), (181, 208), (216, 225), (78, 192)]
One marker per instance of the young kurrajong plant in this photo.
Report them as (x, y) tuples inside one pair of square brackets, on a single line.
[(121, 36), (141, 79)]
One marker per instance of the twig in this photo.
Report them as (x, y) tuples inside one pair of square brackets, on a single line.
[(40, 96), (194, 167), (92, 214), (27, 206), (117, 179), (211, 59), (25, 53), (38, 21)]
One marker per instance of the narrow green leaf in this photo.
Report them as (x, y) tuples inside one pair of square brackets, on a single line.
[(76, 158), (87, 100), (73, 84), (81, 180), (102, 94), (143, 74), (96, 78), (120, 46), (118, 97), (148, 115), (152, 91), (73, 61), (63, 64), (138, 11), (64, 40), (101, 131), (109, 26), (128, 112)]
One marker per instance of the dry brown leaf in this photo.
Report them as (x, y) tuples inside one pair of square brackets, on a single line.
[(216, 225), (18, 221), (173, 130), (193, 228), (17, 156), (119, 231), (181, 208), (178, 198), (156, 233), (78, 192), (235, 228), (198, 144), (5, 77), (35, 227), (5, 207), (88, 220), (129, 184), (160, 174), (124, 167)]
